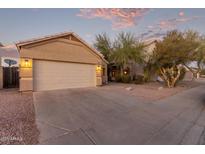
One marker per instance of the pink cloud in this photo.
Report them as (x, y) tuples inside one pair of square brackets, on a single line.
[(172, 23), (9, 51), (9, 47), (120, 18), (181, 14), (162, 26)]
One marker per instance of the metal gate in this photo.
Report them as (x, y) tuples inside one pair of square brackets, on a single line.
[(10, 77)]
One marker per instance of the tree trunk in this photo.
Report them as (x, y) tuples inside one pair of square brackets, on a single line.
[(170, 76), (193, 76)]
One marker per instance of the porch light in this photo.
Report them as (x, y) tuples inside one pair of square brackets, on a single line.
[(125, 72), (98, 68), (26, 63)]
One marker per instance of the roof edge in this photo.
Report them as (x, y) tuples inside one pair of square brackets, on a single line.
[(50, 37), (47, 37)]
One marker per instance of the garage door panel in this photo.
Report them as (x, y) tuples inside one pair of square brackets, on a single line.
[(49, 75)]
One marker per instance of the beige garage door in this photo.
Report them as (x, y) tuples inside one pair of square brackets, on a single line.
[(49, 75)]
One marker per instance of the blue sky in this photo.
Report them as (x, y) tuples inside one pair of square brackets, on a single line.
[(21, 24)]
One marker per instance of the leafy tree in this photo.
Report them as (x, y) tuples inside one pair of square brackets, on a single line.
[(104, 45), (168, 56), (200, 59), (175, 50), (195, 52), (149, 68)]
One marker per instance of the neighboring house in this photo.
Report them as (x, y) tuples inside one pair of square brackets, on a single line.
[(189, 75), (58, 62), (10, 53)]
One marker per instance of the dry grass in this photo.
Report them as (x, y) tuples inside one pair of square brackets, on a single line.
[(17, 118)]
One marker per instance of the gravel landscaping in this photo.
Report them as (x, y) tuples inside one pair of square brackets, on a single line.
[(153, 91), (17, 118)]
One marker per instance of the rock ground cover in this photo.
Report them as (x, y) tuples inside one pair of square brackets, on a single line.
[(17, 118)]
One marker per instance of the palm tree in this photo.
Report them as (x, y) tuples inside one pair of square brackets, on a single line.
[(104, 45), (127, 51)]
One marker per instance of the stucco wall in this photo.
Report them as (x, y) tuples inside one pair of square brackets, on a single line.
[(188, 76), (26, 84), (26, 77), (60, 50), (105, 76)]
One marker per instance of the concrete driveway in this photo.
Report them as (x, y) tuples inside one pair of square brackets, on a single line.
[(110, 116)]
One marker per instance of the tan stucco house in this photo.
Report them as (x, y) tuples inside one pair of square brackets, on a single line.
[(59, 62)]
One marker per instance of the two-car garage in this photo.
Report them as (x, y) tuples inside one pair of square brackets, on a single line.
[(59, 62), (50, 75)]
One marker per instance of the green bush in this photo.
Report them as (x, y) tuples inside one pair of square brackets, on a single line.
[(126, 78), (139, 79), (182, 74)]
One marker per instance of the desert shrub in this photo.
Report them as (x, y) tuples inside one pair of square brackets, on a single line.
[(139, 79), (118, 78), (182, 74), (126, 78)]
